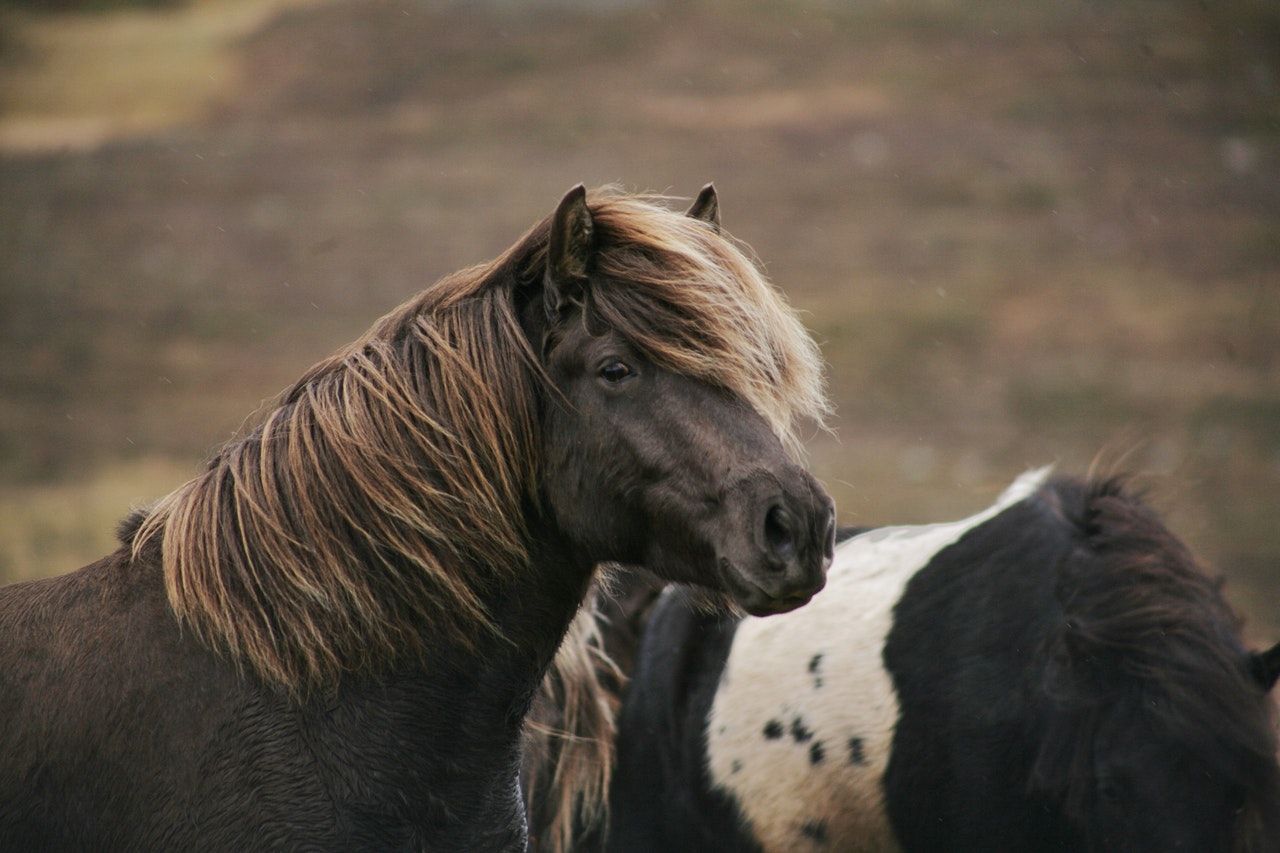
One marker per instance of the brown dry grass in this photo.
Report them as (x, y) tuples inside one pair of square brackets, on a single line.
[(1023, 231), (84, 78)]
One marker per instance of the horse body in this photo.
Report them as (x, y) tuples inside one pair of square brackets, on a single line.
[(1053, 673), (329, 639), (122, 732), (1119, 711), (836, 711)]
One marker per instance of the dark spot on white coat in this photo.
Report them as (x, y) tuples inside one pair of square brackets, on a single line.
[(815, 830), (856, 753), (798, 730)]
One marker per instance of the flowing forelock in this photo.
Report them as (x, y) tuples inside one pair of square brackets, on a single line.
[(697, 304)]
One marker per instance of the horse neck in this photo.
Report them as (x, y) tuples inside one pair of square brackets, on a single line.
[(446, 731), (533, 610)]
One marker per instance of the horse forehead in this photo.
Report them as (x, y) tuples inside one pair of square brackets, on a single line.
[(802, 723)]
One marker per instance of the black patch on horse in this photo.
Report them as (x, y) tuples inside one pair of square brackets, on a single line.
[(661, 797), (814, 663), (799, 731), (814, 830), (1068, 640), (856, 753)]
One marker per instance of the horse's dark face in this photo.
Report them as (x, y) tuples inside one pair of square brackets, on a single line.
[(648, 467), (1152, 793), (654, 469)]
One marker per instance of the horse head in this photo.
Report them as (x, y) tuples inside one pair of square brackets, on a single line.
[(678, 377)]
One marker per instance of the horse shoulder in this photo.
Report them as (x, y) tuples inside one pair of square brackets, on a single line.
[(963, 654), (106, 700)]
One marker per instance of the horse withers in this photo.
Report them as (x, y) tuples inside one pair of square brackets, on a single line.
[(1054, 673), (328, 640)]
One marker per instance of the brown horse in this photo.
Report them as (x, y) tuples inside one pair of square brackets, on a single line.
[(329, 639)]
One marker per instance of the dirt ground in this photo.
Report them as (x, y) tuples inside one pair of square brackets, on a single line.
[(1025, 232)]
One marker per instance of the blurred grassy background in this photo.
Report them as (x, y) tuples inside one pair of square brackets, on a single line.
[(1024, 231)]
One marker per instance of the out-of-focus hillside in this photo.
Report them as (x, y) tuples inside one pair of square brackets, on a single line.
[(1023, 231)]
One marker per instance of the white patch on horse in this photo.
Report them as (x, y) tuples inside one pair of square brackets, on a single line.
[(802, 724)]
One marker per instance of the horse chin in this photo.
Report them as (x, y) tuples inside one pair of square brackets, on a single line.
[(728, 590), (773, 607), (737, 603), (747, 595)]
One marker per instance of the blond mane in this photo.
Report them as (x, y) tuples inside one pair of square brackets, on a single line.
[(568, 742), (382, 494)]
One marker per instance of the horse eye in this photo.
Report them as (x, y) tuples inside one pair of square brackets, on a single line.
[(615, 371)]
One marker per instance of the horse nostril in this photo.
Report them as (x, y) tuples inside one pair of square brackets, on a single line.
[(777, 533)]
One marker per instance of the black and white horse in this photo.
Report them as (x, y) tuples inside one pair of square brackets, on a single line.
[(1053, 673)]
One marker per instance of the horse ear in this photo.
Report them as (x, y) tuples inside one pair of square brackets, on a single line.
[(1265, 666), (569, 250), (706, 207)]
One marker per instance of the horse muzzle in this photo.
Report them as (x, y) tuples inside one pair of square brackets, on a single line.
[(782, 545)]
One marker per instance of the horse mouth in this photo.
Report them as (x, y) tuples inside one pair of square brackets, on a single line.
[(752, 598), (775, 606)]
